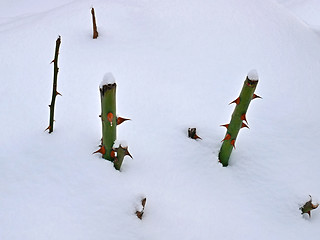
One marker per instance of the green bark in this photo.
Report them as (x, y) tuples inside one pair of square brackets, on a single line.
[(54, 89), (238, 116), (109, 126)]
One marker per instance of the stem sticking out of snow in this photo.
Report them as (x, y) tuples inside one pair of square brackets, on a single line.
[(108, 118), (119, 154), (54, 89), (192, 133), (308, 206), (95, 29), (111, 149), (238, 116), (140, 213)]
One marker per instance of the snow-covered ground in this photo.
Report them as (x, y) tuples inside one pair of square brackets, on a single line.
[(307, 11), (177, 64)]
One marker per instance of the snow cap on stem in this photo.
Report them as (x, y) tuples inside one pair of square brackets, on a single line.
[(253, 75), (108, 78)]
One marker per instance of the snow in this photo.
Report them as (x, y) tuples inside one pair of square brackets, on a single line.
[(108, 78), (178, 64), (119, 143), (253, 75)]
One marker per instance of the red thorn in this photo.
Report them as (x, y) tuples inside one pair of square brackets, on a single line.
[(110, 117), (52, 61), (121, 120), (196, 136), (57, 93), (48, 128), (102, 150), (227, 137), (255, 96), (225, 125), (243, 117), (237, 101), (113, 154), (127, 153), (233, 143), (244, 125)]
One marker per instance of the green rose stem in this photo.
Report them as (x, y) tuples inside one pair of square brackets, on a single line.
[(238, 118)]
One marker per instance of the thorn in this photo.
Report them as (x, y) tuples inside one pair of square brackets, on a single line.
[(49, 105), (113, 154), (227, 137), (52, 61), (237, 101), (102, 150), (110, 117), (243, 118), (48, 128), (57, 93), (255, 96), (121, 120), (233, 143), (225, 125), (196, 136), (244, 125), (127, 153), (100, 116)]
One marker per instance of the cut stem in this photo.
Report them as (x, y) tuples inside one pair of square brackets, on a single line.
[(95, 29), (108, 118), (238, 116), (308, 207), (54, 89)]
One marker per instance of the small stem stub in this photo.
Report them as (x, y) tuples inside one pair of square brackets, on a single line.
[(308, 206), (140, 213), (118, 155), (95, 29), (192, 133)]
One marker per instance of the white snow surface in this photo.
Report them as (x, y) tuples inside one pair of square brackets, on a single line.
[(53, 187)]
